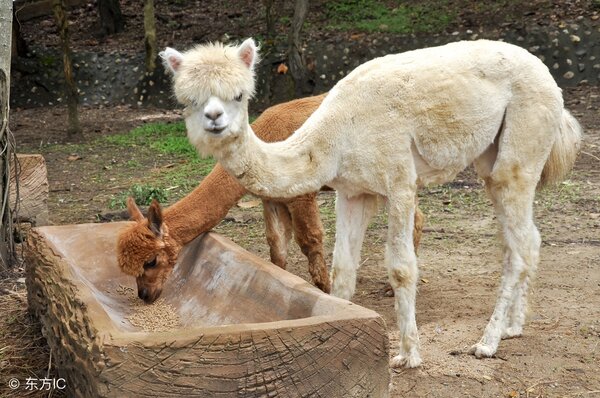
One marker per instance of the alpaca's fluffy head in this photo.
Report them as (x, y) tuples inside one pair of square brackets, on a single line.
[(145, 250), (214, 82)]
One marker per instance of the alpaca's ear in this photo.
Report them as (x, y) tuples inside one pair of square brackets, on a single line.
[(171, 59), (155, 218), (134, 211), (248, 53)]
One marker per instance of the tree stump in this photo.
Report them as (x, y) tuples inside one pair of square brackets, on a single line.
[(245, 328), (33, 189)]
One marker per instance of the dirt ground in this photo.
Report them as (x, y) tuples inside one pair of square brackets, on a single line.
[(459, 257), (558, 355)]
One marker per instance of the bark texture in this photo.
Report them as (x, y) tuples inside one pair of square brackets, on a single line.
[(150, 36), (32, 189), (62, 24), (297, 63), (6, 239), (272, 334), (111, 18)]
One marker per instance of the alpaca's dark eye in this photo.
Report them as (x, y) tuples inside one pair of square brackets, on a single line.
[(150, 264), (238, 98)]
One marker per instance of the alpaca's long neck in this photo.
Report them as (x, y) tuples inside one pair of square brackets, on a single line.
[(204, 207), (301, 164)]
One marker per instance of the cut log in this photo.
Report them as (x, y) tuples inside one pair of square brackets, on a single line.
[(244, 328), (32, 190)]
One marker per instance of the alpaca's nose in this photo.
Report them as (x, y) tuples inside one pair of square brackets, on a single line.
[(213, 115), (143, 294)]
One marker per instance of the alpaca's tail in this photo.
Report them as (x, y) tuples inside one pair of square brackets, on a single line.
[(564, 151)]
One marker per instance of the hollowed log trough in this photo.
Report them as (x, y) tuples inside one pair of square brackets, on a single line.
[(248, 328)]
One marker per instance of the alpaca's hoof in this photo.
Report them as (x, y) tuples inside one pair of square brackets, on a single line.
[(482, 351), (406, 361), (512, 332)]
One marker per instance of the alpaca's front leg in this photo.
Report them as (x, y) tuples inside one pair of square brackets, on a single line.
[(352, 218), (401, 263)]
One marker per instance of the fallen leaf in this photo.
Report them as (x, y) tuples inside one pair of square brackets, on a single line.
[(74, 157), (282, 69), (249, 204), (513, 394)]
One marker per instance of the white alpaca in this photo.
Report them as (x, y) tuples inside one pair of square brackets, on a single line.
[(393, 124)]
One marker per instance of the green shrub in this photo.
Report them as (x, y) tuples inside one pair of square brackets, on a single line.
[(143, 195), (379, 16)]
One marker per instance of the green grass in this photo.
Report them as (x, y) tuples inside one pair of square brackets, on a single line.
[(143, 195), (165, 138), (558, 196), (154, 160), (380, 16), (168, 140)]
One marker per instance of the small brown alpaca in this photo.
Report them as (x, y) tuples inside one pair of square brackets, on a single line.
[(149, 248)]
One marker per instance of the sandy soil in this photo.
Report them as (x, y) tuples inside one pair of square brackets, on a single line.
[(558, 355), (460, 255)]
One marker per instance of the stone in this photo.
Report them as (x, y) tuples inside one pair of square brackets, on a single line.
[(569, 75)]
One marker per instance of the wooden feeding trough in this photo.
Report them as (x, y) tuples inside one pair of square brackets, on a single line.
[(237, 326)]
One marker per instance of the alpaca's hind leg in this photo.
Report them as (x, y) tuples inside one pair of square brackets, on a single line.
[(278, 226), (512, 194), (417, 235), (401, 263), (513, 326), (308, 232), (352, 218)]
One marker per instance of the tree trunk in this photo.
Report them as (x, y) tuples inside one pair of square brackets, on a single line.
[(70, 89), (30, 189), (297, 65), (19, 46), (270, 18), (150, 35), (111, 18), (6, 237)]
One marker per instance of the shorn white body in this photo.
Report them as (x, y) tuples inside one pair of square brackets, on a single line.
[(391, 125)]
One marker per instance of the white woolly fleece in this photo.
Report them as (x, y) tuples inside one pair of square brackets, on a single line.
[(212, 69)]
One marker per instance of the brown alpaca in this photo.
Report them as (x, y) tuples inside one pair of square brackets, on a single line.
[(148, 249)]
